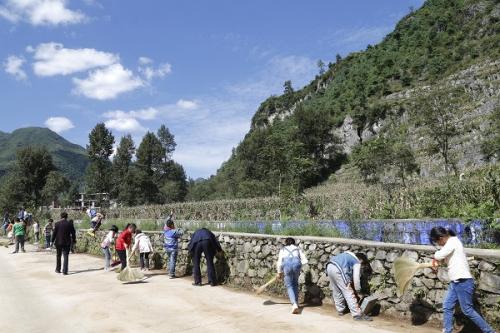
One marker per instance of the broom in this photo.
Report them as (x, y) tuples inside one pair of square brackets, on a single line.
[(404, 270), (128, 274), (261, 289)]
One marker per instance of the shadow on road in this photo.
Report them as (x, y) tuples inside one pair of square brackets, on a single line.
[(85, 271)]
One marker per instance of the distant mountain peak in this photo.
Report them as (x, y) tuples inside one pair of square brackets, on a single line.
[(71, 159)]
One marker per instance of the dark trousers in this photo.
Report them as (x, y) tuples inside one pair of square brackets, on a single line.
[(62, 251), (144, 257), (204, 247), (122, 254), (19, 241)]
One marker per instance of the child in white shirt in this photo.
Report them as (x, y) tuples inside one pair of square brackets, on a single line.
[(290, 261)]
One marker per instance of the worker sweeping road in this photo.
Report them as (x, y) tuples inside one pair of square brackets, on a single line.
[(290, 261), (461, 287), (106, 246), (123, 242), (142, 244), (203, 241), (344, 271)]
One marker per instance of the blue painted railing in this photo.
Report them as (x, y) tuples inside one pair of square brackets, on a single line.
[(392, 231)]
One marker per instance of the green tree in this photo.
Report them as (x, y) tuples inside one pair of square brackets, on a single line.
[(68, 198), (439, 112), (287, 88), (12, 194), (385, 158), (130, 192), (121, 163), (167, 141), (55, 187), (321, 67), (288, 94), (99, 150), (150, 156), (33, 165), (174, 188)]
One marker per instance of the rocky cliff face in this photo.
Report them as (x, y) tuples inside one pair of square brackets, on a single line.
[(481, 82)]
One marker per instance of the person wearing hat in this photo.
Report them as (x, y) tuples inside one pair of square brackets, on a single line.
[(106, 244)]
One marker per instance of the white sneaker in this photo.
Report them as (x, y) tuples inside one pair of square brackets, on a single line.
[(295, 309)]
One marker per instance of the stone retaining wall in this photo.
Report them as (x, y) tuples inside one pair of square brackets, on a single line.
[(250, 261)]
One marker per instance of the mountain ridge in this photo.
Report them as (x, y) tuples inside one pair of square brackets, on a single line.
[(71, 159)]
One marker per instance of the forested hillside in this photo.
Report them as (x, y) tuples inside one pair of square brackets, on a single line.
[(69, 158), (422, 103)]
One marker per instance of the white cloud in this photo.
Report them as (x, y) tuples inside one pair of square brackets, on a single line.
[(145, 61), (143, 114), (149, 72), (13, 66), (59, 124), (355, 38), (124, 121), (54, 59), (125, 125), (299, 69), (40, 12), (187, 105), (366, 35), (107, 83)]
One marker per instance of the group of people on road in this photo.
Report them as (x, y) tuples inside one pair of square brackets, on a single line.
[(17, 229), (203, 243), (344, 269)]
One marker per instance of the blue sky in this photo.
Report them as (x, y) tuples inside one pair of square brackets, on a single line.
[(199, 67)]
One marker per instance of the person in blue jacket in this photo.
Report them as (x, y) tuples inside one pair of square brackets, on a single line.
[(171, 245), (203, 241), (344, 271)]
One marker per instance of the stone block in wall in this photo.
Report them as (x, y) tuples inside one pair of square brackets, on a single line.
[(442, 275), (242, 267), (386, 293), (380, 255), (266, 250), (429, 283), (247, 247), (486, 266), (410, 254), (370, 255), (324, 280), (492, 300), (391, 256), (378, 267), (489, 282), (429, 273)]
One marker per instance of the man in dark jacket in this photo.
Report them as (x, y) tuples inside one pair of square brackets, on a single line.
[(204, 241), (62, 237)]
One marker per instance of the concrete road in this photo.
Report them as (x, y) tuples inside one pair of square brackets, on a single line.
[(33, 298)]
